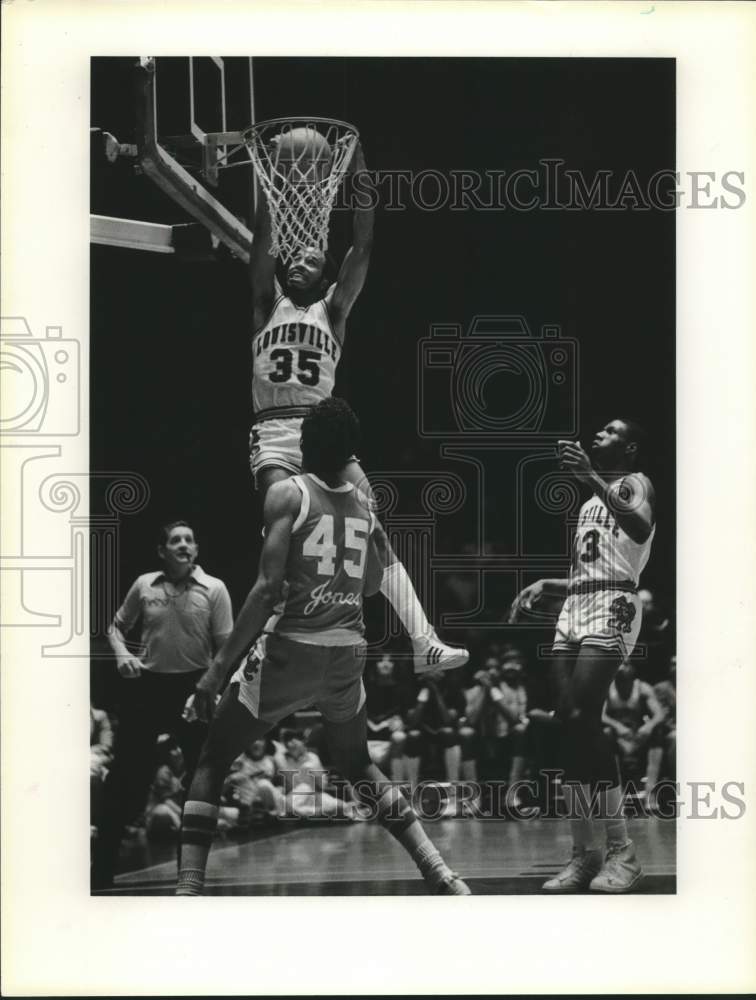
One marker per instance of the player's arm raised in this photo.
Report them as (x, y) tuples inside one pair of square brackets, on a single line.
[(262, 266), (631, 499), (355, 265), (282, 504)]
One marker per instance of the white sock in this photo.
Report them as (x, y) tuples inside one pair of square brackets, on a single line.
[(611, 812), (397, 588), (581, 826)]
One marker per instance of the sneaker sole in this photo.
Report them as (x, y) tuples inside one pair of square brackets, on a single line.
[(608, 890), (448, 663), (560, 891)]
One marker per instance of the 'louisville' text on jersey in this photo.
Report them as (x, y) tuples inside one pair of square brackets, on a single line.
[(297, 333), (598, 514)]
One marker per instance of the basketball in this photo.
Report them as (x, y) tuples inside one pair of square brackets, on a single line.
[(304, 146)]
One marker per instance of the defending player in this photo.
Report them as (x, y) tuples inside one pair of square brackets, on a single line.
[(296, 346), (596, 630), (319, 557)]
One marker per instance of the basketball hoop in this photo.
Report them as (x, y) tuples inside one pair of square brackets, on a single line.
[(300, 163)]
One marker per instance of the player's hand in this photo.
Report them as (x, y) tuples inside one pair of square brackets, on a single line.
[(526, 600), (358, 160), (205, 698), (200, 706), (572, 458), (130, 666)]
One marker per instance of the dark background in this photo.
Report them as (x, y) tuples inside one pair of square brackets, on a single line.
[(170, 358)]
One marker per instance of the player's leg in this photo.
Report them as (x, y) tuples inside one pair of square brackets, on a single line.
[(231, 730), (341, 700), (267, 476), (348, 746), (274, 452), (586, 858), (429, 652), (590, 764)]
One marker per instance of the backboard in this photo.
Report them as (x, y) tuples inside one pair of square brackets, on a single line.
[(188, 115)]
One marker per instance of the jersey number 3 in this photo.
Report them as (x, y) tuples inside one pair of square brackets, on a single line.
[(590, 552), (319, 544), (308, 371)]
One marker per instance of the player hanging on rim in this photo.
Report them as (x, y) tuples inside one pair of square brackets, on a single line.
[(296, 346), (596, 631), (319, 553)]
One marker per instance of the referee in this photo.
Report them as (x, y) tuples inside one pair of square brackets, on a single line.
[(184, 616)]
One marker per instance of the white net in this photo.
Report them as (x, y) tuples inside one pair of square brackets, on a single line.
[(300, 163)]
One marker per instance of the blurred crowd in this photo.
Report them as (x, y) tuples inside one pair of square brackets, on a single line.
[(490, 722)]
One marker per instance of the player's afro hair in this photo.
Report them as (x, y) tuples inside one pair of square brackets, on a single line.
[(330, 436)]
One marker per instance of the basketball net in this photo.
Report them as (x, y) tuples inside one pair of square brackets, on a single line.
[(300, 179)]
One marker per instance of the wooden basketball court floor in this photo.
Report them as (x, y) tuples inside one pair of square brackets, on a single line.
[(360, 859)]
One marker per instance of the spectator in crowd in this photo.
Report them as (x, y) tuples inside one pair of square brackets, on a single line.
[(163, 813), (185, 616), (666, 696), (389, 699), (304, 780), (439, 729), (631, 719), (497, 705), (100, 755), (656, 637), (250, 788)]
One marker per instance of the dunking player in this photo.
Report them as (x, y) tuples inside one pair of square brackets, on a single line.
[(296, 346), (319, 557), (597, 629)]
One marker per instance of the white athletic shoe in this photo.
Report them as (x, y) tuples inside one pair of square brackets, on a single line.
[(429, 654), (621, 871), (577, 876), (452, 885)]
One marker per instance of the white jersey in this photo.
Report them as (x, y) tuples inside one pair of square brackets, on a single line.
[(294, 358), (602, 552)]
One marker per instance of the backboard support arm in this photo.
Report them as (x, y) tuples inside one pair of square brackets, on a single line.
[(176, 181)]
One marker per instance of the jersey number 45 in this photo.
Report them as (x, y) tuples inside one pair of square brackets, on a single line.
[(320, 545)]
